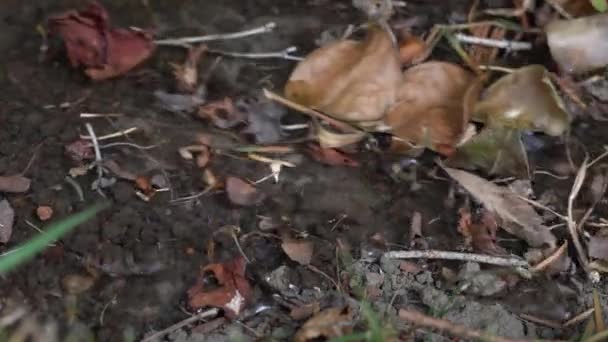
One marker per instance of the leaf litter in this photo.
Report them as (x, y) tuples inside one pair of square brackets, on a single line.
[(356, 89)]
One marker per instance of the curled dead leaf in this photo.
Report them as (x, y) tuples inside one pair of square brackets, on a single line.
[(233, 292), (222, 113), (327, 324), (431, 108), (480, 233), (524, 99), (411, 49), (349, 80), (14, 183), (515, 215), (243, 193), (91, 42)]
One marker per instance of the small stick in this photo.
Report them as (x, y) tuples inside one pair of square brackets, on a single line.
[(183, 323), (98, 159), (139, 147), (501, 44), (76, 187), (550, 259), (420, 319), (311, 112), (186, 41), (447, 255), (580, 317), (542, 321), (100, 115), (572, 226), (111, 135), (283, 54)]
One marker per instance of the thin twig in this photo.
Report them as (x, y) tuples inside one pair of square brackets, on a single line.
[(100, 115), (550, 259), (580, 317), (496, 43), (139, 147), (311, 112), (98, 158), (187, 41), (179, 325), (420, 319), (572, 226), (111, 135), (283, 54), (521, 265), (76, 187)]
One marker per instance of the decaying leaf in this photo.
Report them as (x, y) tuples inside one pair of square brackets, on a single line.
[(327, 324), (514, 214), (14, 183), (222, 113), (480, 233), (496, 151), (233, 292), (91, 42), (242, 193), (80, 150), (579, 45), (331, 156), (525, 99), (349, 80), (299, 251), (430, 108), (411, 49), (263, 118), (186, 75), (7, 217)]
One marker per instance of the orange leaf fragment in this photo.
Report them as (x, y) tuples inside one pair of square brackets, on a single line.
[(233, 293)]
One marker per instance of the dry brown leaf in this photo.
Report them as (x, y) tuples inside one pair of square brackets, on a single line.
[(299, 313), (7, 217), (222, 113), (430, 109), (327, 324), (242, 193), (14, 183), (516, 215), (349, 80), (411, 49), (299, 251), (234, 291), (524, 99)]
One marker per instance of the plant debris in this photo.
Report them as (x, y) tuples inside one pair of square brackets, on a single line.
[(92, 43), (327, 324), (233, 292), (243, 193)]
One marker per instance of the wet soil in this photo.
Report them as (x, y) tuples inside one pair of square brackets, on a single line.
[(147, 254)]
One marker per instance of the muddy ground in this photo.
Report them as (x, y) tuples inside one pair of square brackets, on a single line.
[(149, 253)]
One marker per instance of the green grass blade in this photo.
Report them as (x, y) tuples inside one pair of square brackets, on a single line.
[(53, 233)]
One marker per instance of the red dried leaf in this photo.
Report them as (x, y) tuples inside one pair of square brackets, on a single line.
[(234, 291), (91, 42), (243, 193), (222, 113), (480, 233), (331, 156), (14, 183)]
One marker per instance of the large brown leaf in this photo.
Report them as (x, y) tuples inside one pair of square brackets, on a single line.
[(348, 79), (431, 108)]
